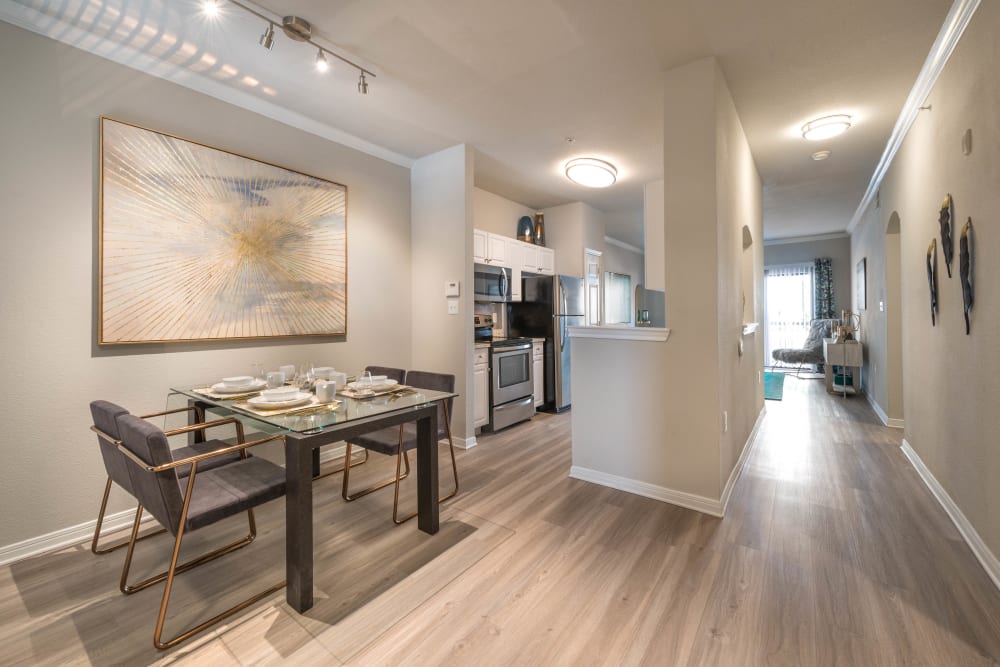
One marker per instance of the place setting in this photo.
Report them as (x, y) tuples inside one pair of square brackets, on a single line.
[(371, 386)]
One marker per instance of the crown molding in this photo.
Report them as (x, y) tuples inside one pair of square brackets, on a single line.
[(806, 239), (947, 39), (624, 246), (61, 31)]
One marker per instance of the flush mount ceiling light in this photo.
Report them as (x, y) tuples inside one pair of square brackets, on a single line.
[(295, 28), (821, 155), (826, 127), (591, 172)]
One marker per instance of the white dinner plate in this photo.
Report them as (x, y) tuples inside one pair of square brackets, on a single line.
[(385, 384), (262, 403), (220, 388)]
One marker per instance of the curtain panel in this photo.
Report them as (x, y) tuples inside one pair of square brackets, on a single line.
[(823, 299)]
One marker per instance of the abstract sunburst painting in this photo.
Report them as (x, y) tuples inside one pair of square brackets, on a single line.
[(202, 244)]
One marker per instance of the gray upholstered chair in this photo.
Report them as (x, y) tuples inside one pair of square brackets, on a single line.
[(397, 441), (116, 464), (811, 351), (396, 374), (203, 498)]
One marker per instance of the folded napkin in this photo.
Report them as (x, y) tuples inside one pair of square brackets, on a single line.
[(312, 406), (207, 391), (384, 390)]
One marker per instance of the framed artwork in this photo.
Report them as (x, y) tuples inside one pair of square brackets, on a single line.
[(859, 284), (198, 244)]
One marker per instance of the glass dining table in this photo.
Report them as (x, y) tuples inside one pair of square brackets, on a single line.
[(308, 429)]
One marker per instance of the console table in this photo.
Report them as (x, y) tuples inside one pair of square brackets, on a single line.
[(847, 354)]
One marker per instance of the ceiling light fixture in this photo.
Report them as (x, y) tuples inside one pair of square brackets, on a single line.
[(321, 64), (267, 38), (821, 155), (210, 8), (826, 127), (591, 172), (297, 29)]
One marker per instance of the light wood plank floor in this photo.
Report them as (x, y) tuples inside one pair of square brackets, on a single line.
[(833, 552)]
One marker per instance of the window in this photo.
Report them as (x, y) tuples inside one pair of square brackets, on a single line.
[(789, 303)]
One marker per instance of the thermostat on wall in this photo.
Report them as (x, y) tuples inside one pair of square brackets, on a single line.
[(451, 288)]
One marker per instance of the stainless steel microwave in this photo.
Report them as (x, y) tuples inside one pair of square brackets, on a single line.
[(492, 283)]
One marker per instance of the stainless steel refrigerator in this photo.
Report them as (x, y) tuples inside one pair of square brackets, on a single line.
[(549, 305)]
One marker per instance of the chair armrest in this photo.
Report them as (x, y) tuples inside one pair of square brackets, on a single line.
[(200, 457), (204, 426), (198, 410)]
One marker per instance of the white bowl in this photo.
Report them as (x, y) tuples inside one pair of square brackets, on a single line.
[(238, 381), (324, 372), (280, 394)]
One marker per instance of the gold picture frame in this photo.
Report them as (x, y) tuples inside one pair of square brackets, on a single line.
[(198, 244)]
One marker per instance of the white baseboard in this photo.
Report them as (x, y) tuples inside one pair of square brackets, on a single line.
[(66, 537), (888, 421), (465, 443), (741, 463), (681, 498), (982, 552)]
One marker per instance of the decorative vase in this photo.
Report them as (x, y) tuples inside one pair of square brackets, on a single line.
[(524, 230), (540, 229)]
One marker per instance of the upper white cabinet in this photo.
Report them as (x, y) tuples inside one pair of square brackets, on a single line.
[(518, 256), (489, 248), (546, 261), (515, 258)]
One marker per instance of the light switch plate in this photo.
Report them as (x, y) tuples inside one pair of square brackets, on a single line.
[(453, 306)]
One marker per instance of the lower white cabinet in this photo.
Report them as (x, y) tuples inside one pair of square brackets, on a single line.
[(538, 371), (480, 388)]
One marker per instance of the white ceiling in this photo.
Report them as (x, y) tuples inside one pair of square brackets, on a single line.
[(515, 78)]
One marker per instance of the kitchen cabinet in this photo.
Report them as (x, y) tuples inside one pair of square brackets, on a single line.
[(480, 387), (489, 248), (529, 257), (546, 261), (538, 371), (515, 254)]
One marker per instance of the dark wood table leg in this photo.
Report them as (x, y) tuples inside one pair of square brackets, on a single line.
[(427, 473), (298, 525)]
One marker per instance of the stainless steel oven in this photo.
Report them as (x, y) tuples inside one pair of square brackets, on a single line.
[(511, 398)]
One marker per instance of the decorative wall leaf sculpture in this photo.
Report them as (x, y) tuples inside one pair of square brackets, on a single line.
[(932, 278), (966, 262), (945, 216)]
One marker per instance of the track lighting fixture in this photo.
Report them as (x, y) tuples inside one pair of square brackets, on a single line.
[(321, 64), (297, 29), (267, 39)]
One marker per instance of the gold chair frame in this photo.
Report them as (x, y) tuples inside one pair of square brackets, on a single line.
[(174, 568), (99, 551), (401, 458)]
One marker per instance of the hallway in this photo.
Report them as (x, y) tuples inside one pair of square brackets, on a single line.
[(833, 551)]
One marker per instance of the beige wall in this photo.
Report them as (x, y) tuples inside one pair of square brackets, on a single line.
[(838, 250), (53, 96), (569, 229), (651, 412), (493, 213), (952, 387), (441, 186)]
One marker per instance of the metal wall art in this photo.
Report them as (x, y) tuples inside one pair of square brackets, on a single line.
[(932, 282), (201, 244), (945, 217), (966, 262)]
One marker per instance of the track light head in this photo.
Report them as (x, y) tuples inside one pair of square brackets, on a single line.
[(362, 84), (321, 62), (267, 38)]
